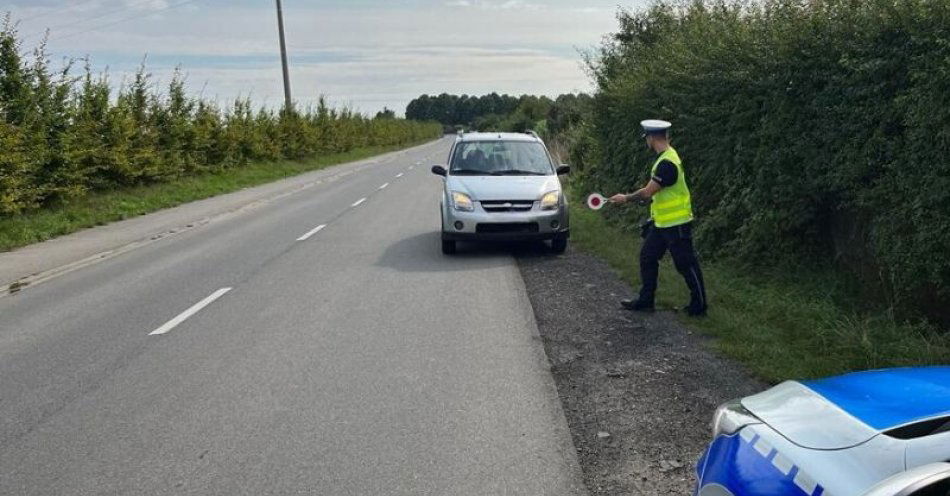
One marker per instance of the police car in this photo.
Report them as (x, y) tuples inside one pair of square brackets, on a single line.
[(880, 432)]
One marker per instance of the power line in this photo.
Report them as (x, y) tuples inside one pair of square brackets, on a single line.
[(109, 13), (61, 27), (58, 11), (124, 19)]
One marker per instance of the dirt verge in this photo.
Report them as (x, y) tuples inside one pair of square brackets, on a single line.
[(639, 391)]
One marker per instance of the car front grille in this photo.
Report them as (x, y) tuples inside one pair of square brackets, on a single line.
[(507, 228), (507, 206)]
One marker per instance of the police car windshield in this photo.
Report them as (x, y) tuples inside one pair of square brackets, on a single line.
[(501, 158)]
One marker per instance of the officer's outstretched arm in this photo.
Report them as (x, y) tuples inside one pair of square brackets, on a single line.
[(649, 190), (644, 193)]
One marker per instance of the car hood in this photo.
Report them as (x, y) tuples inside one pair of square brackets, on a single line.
[(848, 410), (806, 418), (487, 188)]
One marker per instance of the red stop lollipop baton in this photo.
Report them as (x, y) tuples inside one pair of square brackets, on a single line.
[(596, 202)]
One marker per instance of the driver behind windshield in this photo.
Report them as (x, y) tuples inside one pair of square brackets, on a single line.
[(513, 158)]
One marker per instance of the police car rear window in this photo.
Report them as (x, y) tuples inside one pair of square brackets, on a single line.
[(921, 429)]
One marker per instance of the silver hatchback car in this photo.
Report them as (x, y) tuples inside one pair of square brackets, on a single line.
[(502, 187)]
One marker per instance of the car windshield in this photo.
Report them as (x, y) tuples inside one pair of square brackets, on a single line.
[(500, 158)]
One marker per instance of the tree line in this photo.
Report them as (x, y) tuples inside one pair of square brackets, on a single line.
[(64, 134), (494, 112)]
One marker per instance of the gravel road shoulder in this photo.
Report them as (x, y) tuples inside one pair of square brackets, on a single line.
[(639, 391)]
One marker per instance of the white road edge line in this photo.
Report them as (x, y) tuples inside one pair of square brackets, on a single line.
[(384, 186), (311, 232), (398, 175), (171, 324), (358, 203)]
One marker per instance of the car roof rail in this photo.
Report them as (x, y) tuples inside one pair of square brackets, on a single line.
[(532, 133)]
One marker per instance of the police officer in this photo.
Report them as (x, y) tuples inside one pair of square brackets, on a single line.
[(670, 228)]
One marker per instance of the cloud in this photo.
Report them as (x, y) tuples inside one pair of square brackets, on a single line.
[(370, 80), (146, 4), (370, 53), (497, 5)]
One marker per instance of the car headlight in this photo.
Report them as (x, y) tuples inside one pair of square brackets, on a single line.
[(550, 200), (462, 202), (730, 417)]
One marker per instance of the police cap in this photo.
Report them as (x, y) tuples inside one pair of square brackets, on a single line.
[(654, 126)]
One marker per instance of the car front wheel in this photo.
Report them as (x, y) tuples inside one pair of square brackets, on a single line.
[(559, 245)]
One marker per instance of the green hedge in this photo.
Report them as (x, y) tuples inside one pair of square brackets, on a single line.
[(813, 131), (62, 136)]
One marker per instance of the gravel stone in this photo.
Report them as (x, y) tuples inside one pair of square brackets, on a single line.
[(644, 378)]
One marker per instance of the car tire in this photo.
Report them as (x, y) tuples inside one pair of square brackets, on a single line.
[(559, 245), (448, 247)]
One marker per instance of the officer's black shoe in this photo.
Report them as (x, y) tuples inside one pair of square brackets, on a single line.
[(637, 305), (695, 310)]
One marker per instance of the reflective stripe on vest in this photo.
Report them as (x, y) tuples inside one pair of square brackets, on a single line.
[(672, 205)]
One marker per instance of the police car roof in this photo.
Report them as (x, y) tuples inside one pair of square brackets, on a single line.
[(496, 137), (888, 398), (844, 411)]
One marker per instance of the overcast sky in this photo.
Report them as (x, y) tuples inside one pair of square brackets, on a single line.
[(363, 53)]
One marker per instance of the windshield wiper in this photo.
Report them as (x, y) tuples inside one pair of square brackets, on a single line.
[(520, 172), (471, 172)]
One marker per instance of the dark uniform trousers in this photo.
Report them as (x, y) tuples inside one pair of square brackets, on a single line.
[(678, 241)]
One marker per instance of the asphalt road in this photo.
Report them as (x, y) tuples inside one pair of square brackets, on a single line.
[(358, 360)]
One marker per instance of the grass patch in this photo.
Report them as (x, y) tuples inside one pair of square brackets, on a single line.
[(99, 208), (791, 326)]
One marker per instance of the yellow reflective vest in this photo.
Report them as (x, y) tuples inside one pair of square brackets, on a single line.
[(672, 206)]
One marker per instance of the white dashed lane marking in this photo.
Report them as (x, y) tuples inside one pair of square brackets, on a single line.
[(311, 232), (171, 324), (384, 186), (358, 202)]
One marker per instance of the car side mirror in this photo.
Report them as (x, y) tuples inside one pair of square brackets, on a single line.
[(563, 170), (928, 480), (439, 170)]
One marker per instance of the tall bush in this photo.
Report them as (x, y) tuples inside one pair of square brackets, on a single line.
[(812, 131)]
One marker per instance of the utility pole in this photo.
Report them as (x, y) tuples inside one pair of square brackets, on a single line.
[(283, 57)]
